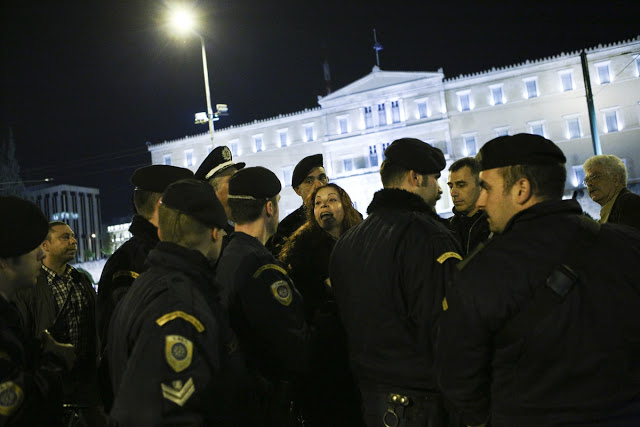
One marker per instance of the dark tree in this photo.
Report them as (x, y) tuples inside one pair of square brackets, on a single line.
[(10, 181)]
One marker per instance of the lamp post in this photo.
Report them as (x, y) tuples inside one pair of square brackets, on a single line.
[(183, 21)]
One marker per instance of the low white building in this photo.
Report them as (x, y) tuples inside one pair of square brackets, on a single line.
[(352, 126)]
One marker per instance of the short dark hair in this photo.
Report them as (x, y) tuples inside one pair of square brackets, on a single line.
[(547, 181), (54, 224), (469, 162), (391, 173), (180, 228), (145, 202), (244, 211), (216, 178)]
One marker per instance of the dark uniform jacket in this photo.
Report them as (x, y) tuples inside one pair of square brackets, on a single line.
[(388, 274), (286, 228), (581, 363), (37, 308), (265, 309), (122, 267), (30, 381), (331, 395), (470, 231), (173, 358), (626, 209)]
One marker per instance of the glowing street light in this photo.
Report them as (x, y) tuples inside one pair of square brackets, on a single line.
[(183, 21)]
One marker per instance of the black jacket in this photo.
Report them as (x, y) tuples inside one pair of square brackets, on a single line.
[(470, 231), (37, 307), (388, 274), (626, 209), (580, 364), (122, 267), (30, 380), (172, 356), (286, 228)]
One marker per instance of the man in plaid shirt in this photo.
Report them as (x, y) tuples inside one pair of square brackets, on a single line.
[(63, 302)]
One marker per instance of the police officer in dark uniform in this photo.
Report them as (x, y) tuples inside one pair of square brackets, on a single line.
[(264, 306), (128, 261), (217, 168), (173, 357), (30, 370), (541, 326), (388, 275)]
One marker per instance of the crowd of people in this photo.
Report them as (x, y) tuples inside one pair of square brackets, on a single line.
[(518, 310)]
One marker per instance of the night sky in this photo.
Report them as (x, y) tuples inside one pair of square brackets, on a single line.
[(86, 84)]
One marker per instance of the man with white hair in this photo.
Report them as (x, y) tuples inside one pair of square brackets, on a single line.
[(606, 179)]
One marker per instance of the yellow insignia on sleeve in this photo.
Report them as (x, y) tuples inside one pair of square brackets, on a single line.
[(178, 351), (177, 392), (445, 256), (282, 292), (11, 396), (124, 273), (182, 315), (445, 306), (269, 267)]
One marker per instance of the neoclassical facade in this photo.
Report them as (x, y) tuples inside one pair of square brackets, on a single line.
[(352, 126)]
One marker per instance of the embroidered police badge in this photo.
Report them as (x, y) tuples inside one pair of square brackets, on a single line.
[(11, 397), (226, 154), (282, 292), (178, 351)]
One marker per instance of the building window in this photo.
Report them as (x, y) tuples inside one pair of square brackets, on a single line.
[(502, 131), (423, 110), (166, 159), (464, 101), (537, 128), (373, 156), (603, 73), (638, 66), (233, 146), (395, 111), (573, 127), (286, 175), (347, 164), (188, 158), (343, 125), (578, 175), (282, 136), (611, 121), (531, 87), (308, 133), (382, 115), (368, 118), (258, 143), (384, 147), (470, 148), (497, 95), (566, 78)]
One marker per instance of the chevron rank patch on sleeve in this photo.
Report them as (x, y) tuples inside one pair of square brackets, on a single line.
[(178, 392), (178, 352)]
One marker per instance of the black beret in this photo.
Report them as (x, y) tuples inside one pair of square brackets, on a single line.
[(23, 226), (156, 178), (303, 168), (415, 155), (519, 149), (196, 199), (254, 183), (218, 160)]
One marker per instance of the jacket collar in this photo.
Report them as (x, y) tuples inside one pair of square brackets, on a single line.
[(188, 261), (397, 199), (543, 209), (143, 229)]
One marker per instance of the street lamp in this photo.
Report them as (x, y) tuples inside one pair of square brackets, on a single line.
[(183, 21)]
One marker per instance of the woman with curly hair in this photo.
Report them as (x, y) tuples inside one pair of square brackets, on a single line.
[(330, 396)]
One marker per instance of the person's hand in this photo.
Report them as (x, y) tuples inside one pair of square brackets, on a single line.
[(65, 352)]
